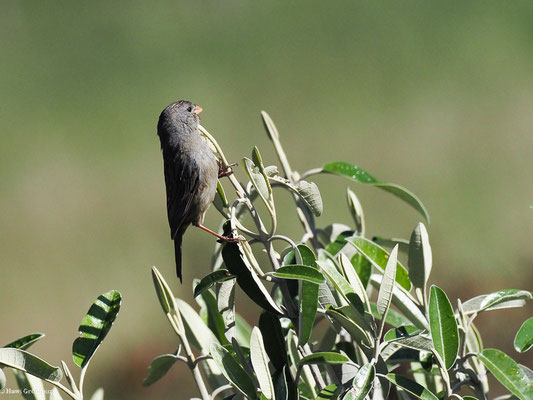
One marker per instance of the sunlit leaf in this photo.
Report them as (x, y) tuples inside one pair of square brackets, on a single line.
[(31, 387), (24, 342), (260, 361), (420, 258), (508, 372), (233, 371), (98, 394), (359, 175), (307, 191), (387, 284), (362, 383), (324, 358), (496, 300), (164, 294), (356, 210), (523, 340), (379, 257), (27, 362), (443, 326), (300, 272), (211, 279), (95, 326)]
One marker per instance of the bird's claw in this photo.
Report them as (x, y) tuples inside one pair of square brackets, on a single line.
[(231, 239), (225, 170)]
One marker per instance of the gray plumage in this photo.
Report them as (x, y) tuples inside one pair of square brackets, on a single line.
[(191, 170)]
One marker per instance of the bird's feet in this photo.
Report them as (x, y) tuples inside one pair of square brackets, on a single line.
[(231, 239), (225, 170)]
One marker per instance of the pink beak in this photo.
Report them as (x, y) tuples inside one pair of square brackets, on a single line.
[(198, 110)]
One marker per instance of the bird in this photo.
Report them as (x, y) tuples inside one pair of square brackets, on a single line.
[(191, 172)]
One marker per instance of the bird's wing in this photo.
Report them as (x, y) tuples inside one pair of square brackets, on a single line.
[(182, 181)]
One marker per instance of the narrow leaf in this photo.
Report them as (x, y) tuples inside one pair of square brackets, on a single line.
[(387, 284), (95, 326), (362, 383), (212, 279), (27, 362), (273, 340), (98, 394), (31, 387), (24, 342), (220, 201), (247, 280), (309, 301), (330, 392), (508, 372), (260, 361), (443, 326), (164, 294), (233, 371), (196, 330), (523, 340), (361, 176), (496, 300), (379, 257), (403, 244), (324, 358), (356, 210), (357, 332), (420, 260), (417, 390), (159, 367), (55, 395), (300, 272), (307, 191)]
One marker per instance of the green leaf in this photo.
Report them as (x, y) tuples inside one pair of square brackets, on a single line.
[(24, 342), (417, 342), (260, 361), (379, 257), (387, 284), (164, 294), (493, 301), (211, 316), (356, 210), (394, 318), (309, 301), (354, 281), (220, 201), (357, 332), (523, 340), (330, 392), (233, 371), (95, 326), (361, 176), (338, 280), (256, 172), (508, 372), (362, 383), (234, 259), (443, 326), (242, 330), (196, 330), (211, 279), (27, 362), (324, 357), (226, 308), (159, 367), (300, 272), (420, 260), (402, 300), (269, 126), (401, 332), (419, 391), (307, 191)]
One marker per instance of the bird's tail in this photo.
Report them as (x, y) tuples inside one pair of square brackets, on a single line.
[(177, 254)]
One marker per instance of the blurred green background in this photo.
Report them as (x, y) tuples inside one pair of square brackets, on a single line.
[(435, 96)]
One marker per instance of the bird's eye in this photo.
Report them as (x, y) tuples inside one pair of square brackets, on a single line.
[(189, 108)]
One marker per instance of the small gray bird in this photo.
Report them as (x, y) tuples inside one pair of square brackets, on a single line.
[(191, 171)]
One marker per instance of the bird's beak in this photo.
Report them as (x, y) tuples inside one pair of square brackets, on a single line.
[(198, 110)]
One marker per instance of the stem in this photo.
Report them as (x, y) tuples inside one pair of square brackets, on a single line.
[(219, 390)]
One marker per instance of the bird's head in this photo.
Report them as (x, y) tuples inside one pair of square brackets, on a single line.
[(180, 116)]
